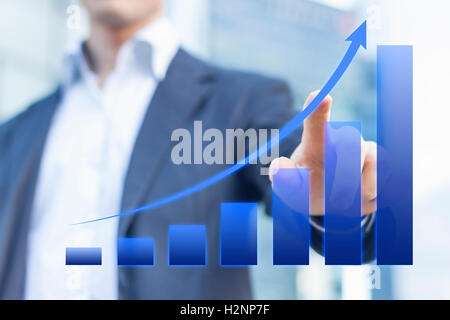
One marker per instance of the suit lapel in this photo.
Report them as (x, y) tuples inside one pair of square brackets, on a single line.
[(185, 86), (23, 161)]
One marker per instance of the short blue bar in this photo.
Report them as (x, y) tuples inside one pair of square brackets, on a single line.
[(238, 234), (187, 245), (290, 212), (343, 234), (394, 219), (83, 256), (133, 252)]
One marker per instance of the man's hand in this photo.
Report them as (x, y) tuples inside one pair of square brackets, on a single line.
[(310, 154)]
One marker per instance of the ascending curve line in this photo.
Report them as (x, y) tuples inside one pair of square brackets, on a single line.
[(357, 38)]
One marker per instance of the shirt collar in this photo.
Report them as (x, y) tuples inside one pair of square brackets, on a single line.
[(164, 43), (156, 43)]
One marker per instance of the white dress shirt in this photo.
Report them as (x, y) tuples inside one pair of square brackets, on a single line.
[(84, 165)]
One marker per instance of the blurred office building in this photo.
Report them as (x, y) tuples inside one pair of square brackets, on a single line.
[(296, 40), (33, 36)]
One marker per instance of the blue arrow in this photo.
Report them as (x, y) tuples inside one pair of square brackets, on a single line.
[(358, 38)]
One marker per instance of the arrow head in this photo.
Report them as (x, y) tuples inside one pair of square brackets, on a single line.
[(359, 36)]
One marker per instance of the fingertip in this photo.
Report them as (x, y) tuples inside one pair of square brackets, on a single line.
[(310, 98), (313, 94)]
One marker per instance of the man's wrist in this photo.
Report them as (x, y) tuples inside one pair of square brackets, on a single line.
[(366, 222)]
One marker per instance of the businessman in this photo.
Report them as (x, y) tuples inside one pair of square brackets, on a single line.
[(100, 144)]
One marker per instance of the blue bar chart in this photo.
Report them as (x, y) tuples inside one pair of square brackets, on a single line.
[(394, 155), (290, 212), (342, 170), (133, 252), (238, 234), (187, 245), (83, 256)]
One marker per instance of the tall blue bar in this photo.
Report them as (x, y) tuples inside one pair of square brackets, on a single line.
[(187, 245), (133, 252), (238, 234), (343, 234), (394, 220), (83, 256), (290, 212)]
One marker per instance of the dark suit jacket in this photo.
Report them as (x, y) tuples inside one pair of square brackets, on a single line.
[(192, 90)]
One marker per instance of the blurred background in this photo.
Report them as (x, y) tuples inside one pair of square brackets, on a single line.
[(300, 41)]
